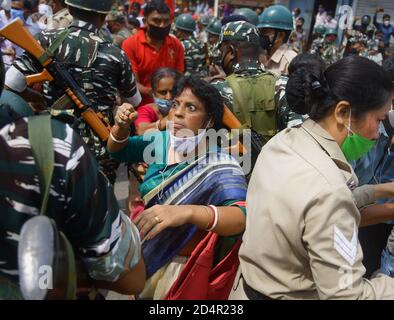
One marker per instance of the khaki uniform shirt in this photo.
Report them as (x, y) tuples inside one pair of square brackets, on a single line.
[(61, 19), (301, 238), (281, 59)]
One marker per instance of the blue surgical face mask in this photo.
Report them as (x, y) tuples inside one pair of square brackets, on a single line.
[(164, 105), (16, 13)]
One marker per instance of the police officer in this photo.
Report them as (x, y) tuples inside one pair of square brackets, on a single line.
[(248, 90), (202, 23), (81, 203), (302, 242), (213, 30), (365, 27), (61, 17), (318, 41), (116, 24), (249, 14), (275, 26), (101, 69), (195, 63), (330, 53)]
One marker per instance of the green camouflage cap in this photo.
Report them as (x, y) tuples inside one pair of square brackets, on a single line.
[(115, 16), (239, 31)]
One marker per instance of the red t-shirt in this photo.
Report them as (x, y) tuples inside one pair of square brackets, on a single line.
[(146, 114), (145, 59)]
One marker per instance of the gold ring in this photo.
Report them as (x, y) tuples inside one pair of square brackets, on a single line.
[(157, 219)]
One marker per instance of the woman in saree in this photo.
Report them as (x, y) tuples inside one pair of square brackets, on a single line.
[(191, 186)]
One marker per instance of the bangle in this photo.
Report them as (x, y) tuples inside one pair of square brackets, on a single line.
[(216, 218), (116, 140)]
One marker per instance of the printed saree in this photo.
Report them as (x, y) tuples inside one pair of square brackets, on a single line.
[(215, 178)]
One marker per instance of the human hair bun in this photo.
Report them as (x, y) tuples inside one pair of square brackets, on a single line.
[(306, 84)]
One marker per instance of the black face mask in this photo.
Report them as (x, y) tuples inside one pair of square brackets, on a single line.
[(158, 33)]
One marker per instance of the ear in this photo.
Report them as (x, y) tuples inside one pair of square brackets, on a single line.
[(342, 113), (233, 53)]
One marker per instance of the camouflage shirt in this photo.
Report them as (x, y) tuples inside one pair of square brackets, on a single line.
[(285, 116), (101, 69), (214, 54), (194, 57), (81, 202), (317, 45), (121, 36), (330, 54)]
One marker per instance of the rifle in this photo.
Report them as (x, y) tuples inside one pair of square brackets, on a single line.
[(56, 72)]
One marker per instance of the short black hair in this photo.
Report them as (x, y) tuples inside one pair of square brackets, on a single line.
[(247, 50), (386, 16), (136, 5), (207, 94), (84, 15), (364, 84), (27, 5), (156, 5), (134, 22)]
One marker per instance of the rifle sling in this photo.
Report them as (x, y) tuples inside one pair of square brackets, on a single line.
[(49, 53), (40, 137)]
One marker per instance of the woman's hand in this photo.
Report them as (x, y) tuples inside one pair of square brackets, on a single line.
[(154, 220), (125, 116)]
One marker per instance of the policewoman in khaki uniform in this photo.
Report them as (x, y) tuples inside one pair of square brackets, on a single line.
[(301, 238)]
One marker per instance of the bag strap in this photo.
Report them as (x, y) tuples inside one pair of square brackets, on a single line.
[(40, 137)]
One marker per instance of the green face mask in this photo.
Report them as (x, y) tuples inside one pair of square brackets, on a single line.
[(355, 146)]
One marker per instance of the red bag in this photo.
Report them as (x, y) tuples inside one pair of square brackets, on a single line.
[(198, 281)]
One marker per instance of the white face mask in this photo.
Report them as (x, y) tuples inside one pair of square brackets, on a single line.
[(391, 117), (186, 145), (386, 23), (6, 5), (45, 10)]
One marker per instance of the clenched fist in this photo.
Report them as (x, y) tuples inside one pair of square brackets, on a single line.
[(125, 116)]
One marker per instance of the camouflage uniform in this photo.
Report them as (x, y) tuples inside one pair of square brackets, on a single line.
[(317, 45), (214, 54), (330, 54), (102, 70), (121, 36), (61, 19), (194, 57), (284, 116), (81, 203)]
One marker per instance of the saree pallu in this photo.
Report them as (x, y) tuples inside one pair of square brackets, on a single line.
[(212, 179)]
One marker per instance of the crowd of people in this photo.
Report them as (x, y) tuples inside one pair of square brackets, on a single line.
[(317, 114)]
